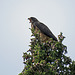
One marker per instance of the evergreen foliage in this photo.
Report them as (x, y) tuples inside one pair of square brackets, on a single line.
[(47, 58)]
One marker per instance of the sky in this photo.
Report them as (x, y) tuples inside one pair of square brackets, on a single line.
[(58, 15)]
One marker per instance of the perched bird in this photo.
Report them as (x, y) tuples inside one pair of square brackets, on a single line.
[(45, 32)]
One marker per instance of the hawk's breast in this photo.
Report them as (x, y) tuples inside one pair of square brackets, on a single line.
[(43, 37)]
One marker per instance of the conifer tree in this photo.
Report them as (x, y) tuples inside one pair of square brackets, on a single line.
[(47, 58)]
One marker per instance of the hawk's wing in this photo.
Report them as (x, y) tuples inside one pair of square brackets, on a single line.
[(45, 30)]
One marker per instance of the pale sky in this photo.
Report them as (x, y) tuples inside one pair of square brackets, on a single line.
[(58, 15)]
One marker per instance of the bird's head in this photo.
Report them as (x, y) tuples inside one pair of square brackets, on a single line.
[(32, 19)]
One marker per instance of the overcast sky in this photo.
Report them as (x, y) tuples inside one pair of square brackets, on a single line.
[(58, 15)]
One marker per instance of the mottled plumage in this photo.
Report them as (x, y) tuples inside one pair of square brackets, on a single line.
[(45, 32)]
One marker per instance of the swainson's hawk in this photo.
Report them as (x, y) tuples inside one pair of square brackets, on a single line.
[(45, 33)]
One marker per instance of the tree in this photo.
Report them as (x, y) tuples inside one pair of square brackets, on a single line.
[(47, 58)]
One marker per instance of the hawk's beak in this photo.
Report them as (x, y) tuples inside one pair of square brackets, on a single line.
[(29, 20)]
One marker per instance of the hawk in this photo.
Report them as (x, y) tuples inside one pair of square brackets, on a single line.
[(45, 32)]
